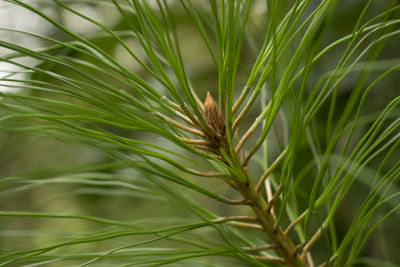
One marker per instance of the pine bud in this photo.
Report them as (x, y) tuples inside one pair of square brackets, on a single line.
[(211, 114)]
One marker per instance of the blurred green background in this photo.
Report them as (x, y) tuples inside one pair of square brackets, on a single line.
[(34, 155)]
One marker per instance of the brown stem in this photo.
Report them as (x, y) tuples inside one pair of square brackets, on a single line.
[(287, 249), (236, 218), (246, 225), (312, 241), (245, 109), (260, 248), (270, 170), (181, 126), (310, 260), (332, 259), (268, 191), (206, 148), (198, 101), (184, 114), (187, 119), (273, 200), (266, 222), (247, 134), (269, 258), (295, 222), (194, 141), (172, 104), (209, 174), (240, 100), (236, 202), (194, 120)]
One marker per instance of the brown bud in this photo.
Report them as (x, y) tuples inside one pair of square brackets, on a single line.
[(211, 114)]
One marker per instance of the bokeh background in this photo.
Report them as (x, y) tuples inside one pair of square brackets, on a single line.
[(24, 154)]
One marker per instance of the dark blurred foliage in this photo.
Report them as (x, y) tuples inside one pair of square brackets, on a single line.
[(23, 153)]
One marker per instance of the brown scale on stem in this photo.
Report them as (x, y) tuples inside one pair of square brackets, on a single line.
[(214, 120), (214, 137)]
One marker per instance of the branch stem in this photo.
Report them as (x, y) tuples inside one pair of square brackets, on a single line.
[(247, 134), (331, 259), (273, 199), (236, 202), (270, 170), (287, 249), (194, 141), (269, 258), (295, 222), (246, 225), (206, 148), (241, 98), (236, 218), (187, 119), (312, 241), (261, 248), (181, 126)]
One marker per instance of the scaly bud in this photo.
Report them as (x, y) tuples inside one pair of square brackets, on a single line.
[(211, 114)]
